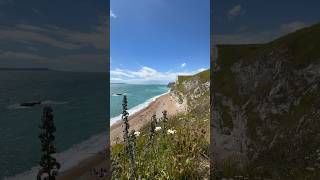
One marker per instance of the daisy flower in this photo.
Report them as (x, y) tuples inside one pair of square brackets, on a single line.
[(158, 128), (170, 131), (137, 133)]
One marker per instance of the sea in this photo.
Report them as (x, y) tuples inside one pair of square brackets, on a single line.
[(139, 96), (80, 106)]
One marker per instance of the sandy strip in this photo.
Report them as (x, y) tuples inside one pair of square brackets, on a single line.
[(143, 117), (136, 121)]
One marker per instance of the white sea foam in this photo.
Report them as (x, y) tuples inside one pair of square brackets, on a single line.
[(70, 157), (17, 106), (120, 94), (137, 108)]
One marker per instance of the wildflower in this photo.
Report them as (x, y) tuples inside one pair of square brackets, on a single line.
[(137, 133), (170, 131), (158, 128)]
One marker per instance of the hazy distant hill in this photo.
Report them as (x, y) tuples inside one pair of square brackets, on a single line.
[(266, 107), (25, 69)]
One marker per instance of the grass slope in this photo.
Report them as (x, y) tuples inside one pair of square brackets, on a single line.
[(302, 48), (181, 154)]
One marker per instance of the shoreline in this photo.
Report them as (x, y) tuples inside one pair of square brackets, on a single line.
[(137, 108), (142, 117), (137, 120)]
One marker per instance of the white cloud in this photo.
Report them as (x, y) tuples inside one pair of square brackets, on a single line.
[(147, 74), (292, 26), (57, 37), (235, 11), (201, 69), (183, 65), (112, 14), (28, 37), (33, 37), (116, 79), (119, 72), (19, 55)]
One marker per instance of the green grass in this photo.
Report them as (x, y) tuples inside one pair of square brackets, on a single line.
[(297, 50), (229, 54), (201, 76), (182, 155), (303, 44)]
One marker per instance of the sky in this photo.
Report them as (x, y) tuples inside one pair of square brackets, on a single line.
[(260, 21), (153, 41), (62, 35)]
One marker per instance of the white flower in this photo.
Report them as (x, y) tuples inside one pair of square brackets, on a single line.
[(137, 133), (170, 131), (158, 128)]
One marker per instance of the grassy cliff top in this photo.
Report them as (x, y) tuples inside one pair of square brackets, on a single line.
[(203, 76), (303, 44)]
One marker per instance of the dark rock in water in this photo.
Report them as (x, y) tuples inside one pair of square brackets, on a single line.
[(118, 94), (30, 103)]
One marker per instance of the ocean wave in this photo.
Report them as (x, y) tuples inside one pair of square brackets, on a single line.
[(137, 108), (70, 157)]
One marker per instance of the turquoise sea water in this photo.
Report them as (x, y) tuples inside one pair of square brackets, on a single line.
[(79, 102), (139, 96), (80, 114)]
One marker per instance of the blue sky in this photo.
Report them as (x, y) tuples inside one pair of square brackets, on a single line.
[(258, 21), (152, 41), (63, 35)]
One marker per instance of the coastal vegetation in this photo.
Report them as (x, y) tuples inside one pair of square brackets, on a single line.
[(49, 165), (169, 147), (265, 107)]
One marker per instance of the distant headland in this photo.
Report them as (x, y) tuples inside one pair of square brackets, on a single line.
[(25, 69)]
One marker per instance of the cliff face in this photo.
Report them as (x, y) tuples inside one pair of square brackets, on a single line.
[(192, 92), (266, 105)]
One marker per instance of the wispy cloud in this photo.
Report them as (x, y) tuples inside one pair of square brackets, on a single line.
[(235, 11), (112, 14), (20, 55), (183, 65), (29, 36), (66, 46), (146, 75), (55, 36)]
